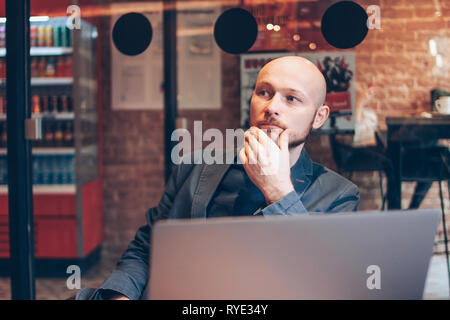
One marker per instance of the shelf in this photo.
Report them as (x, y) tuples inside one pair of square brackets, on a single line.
[(44, 51), (55, 116), (47, 189), (49, 151), (49, 116), (51, 81), (47, 81)]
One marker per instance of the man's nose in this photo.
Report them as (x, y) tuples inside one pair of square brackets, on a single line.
[(274, 105)]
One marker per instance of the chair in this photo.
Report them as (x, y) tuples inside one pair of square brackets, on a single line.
[(351, 159), (419, 163), (425, 165)]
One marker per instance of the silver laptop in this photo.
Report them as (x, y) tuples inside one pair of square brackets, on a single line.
[(362, 255)]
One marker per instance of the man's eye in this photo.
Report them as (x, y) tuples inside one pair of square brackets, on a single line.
[(292, 99), (263, 93)]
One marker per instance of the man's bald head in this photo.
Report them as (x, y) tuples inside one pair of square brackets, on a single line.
[(289, 94), (306, 74)]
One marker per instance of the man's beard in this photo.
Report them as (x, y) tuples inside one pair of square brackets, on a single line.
[(301, 140), (292, 144)]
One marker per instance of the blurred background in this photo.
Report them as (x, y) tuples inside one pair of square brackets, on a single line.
[(101, 161)]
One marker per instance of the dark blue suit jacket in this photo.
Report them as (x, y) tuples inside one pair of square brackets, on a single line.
[(187, 195)]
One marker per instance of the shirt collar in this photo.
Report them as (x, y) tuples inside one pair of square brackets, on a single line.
[(303, 166)]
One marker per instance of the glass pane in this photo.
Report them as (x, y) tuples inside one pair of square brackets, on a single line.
[(98, 84), (4, 219)]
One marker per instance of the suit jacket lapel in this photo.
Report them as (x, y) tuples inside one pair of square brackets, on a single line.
[(209, 180), (301, 173), (211, 176)]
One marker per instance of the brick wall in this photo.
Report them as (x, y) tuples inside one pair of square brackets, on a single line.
[(398, 61), (396, 58)]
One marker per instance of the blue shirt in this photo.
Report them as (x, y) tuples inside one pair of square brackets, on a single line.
[(237, 195)]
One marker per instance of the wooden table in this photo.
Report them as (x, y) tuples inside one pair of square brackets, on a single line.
[(410, 129)]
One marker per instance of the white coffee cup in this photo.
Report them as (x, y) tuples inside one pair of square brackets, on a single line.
[(443, 105)]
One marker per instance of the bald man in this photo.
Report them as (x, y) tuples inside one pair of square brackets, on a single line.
[(275, 176), (287, 103)]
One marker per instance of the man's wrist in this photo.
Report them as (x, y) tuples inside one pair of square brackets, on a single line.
[(277, 194), (108, 294)]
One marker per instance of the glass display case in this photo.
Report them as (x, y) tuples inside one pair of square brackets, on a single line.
[(67, 187)]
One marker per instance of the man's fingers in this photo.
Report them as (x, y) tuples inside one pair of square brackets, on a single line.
[(247, 156), (242, 156), (259, 152), (252, 142), (261, 135), (251, 155), (283, 140)]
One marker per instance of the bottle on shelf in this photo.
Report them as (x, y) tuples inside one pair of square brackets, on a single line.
[(59, 135), (47, 174), (68, 135), (50, 67), (3, 135), (59, 67), (34, 36), (69, 104), (2, 105), (62, 67), (35, 166), (54, 103), (44, 104), (57, 36), (48, 135), (63, 104), (68, 66), (66, 37), (41, 35), (3, 170), (2, 68), (50, 106), (49, 36), (70, 169), (34, 67), (2, 36), (35, 104), (41, 67)]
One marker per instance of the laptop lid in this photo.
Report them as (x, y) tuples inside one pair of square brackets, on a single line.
[(362, 255)]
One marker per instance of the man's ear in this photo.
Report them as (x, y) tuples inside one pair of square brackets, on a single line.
[(321, 116)]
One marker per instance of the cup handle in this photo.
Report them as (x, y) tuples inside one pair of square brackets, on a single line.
[(438, 105)]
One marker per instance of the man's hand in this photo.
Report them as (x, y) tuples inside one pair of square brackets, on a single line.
[(107, 294), (120, 297), (267, 164)]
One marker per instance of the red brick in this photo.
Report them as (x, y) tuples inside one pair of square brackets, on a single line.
[(395, 35), (403, 13), (425, 25), (391, 59), (396, 58), (391, 25), (425, 12)]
